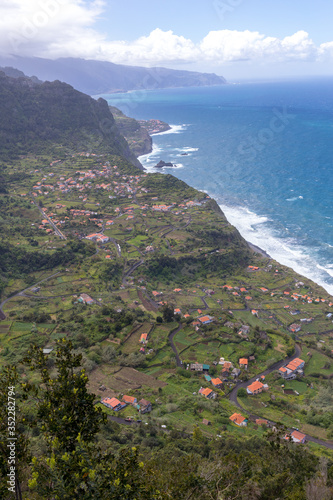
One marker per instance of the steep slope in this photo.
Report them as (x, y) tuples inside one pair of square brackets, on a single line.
[(35, 117), (98, 77), (137, 137)]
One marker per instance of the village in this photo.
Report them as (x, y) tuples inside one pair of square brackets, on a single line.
[(195, 337)]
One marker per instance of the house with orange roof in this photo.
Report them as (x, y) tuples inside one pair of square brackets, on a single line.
[(296, 437), (143, 338), (243, 363), (261, 421), (177, 311), (238, 419), (256, 387), (292, 369), (86, 299), (113, 403), (205, 320), (217, 383), (207, 393), (129, 399), (295, 327)]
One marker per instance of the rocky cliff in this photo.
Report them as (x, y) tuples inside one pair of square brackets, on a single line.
[(34, 117)]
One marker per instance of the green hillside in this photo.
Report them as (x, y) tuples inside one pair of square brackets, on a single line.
[(39, 117), (116, 283)]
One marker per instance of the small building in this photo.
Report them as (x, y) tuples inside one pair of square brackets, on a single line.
[(261, 421), (145, 406), (256, 387), (243, 363), (298, 437), (207, 393), (206, 422), (205, 320), (217, 383), (295, 327), (143, 338), (102, 238), (292, 369), (86, 299), (113, 403), (199, 367), (129, 399), (235, 372), (238, 419)]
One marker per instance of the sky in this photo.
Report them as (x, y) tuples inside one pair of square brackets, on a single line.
[(239, 39)]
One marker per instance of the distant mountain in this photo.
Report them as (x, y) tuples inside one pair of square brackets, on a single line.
[(101, 77), (36, 117), (15, 73)]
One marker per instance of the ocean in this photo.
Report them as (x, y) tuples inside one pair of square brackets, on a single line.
[(264, 151)]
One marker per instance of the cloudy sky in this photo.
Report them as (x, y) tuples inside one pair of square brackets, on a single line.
[(233, 38)]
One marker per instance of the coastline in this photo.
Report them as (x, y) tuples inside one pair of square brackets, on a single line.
[(256, 249), (247, 223)]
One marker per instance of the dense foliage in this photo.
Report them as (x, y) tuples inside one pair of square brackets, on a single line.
[(36, 116), (77, 462)]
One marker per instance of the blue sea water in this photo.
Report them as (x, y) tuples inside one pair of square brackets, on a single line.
[(264, 151)]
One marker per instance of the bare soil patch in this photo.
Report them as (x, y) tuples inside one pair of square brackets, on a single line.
[(120, 381)]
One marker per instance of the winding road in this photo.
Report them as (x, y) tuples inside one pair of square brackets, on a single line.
[(275, 366), (22, 293)]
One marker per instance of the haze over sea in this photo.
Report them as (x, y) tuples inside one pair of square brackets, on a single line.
[(264, 151)]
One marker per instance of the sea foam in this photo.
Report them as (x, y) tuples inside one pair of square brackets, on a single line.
[(258, 230)]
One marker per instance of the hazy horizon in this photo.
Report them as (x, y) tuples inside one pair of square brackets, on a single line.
[(232, 38)]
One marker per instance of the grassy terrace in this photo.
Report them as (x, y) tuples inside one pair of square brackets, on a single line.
[(190, 247)]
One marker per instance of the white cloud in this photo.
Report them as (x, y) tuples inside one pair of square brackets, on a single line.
[(47, 27), (229, 46), (56, 28)]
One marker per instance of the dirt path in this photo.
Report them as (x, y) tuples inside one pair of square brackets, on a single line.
[(21, 292), (173, 347)]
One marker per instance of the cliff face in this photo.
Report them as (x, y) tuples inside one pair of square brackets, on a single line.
[(137, 137), (35, 117), (102, 77)]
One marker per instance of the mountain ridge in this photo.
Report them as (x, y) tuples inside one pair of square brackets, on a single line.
[(35, 116), (102, 77)]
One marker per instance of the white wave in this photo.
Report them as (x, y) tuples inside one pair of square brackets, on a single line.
[(295, 198), (257, 230), (326, 269), (152, 157), (175, 129), (187, 149), (176, 165)]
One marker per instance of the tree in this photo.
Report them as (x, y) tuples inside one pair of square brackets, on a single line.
[(242, 393), (168, 313), (14, 453), (75, 466), (65, 407)]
